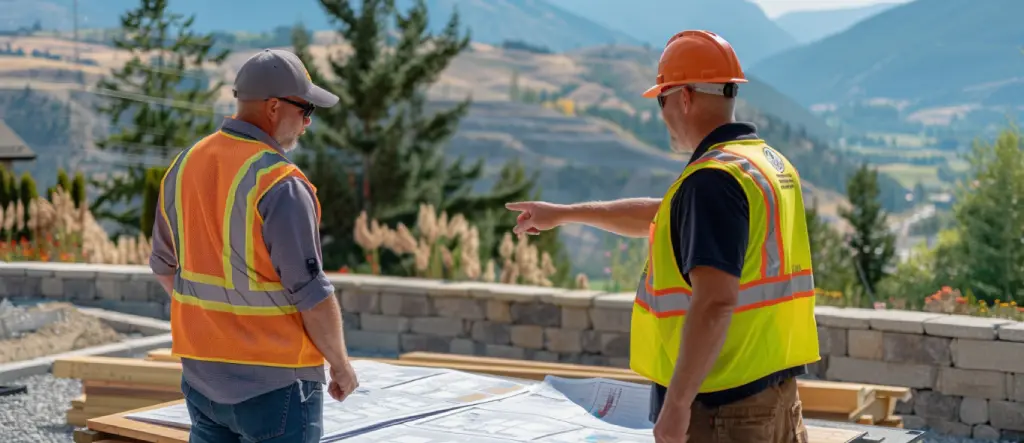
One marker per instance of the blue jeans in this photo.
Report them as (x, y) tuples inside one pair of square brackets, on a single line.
[(293, 414)]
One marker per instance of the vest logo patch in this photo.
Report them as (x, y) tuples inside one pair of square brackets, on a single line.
[(774, 159)]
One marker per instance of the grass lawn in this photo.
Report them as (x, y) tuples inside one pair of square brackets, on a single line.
[(910, 175), (904, 140)]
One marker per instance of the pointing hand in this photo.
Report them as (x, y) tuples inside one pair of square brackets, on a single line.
[(536, 216)]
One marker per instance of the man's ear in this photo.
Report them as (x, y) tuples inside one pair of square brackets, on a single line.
[(686, 100)]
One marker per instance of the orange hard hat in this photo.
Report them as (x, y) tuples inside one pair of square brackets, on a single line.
[(696, 57)]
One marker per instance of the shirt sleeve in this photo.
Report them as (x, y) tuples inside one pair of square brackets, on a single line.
[(163, 260), (711, 223), (292, 236)]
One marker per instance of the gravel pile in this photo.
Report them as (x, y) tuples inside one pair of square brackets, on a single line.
[(39, 415)]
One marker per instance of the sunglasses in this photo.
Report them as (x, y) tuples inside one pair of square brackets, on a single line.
[(668, 92), (307, 108)]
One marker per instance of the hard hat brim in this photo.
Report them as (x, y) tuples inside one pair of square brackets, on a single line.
[(653, 91)]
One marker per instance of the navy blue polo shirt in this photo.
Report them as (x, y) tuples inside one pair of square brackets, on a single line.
[(710, 227)]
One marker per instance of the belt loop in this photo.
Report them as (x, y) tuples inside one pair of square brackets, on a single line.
[(302, 393)]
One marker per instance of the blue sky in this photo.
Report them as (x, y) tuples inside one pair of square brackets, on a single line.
[(775, 8)]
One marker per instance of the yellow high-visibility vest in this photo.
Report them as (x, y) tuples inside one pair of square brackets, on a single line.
[(773, 326)]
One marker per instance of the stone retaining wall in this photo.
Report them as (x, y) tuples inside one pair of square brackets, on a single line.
[(967, 373)]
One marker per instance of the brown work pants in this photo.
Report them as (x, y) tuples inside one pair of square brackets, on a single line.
[(771, 416)]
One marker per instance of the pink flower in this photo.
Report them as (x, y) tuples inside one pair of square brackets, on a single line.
[(607, 270)]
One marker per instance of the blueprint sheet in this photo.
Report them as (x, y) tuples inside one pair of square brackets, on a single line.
[(615, 402), (544, 415), (387, 395)]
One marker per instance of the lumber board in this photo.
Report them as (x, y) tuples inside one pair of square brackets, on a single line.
[(477, 360), (77, 417), (90, 385), (523, 372), (162, 354), (121, 403), (118, 425), (830, 397), (891, 422), (116, 369)]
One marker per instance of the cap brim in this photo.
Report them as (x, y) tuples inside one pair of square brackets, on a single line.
[(320, 98), (653, 91)]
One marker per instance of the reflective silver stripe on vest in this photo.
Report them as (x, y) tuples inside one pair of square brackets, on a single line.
[(240, 294), (676, 302), (771, 241)]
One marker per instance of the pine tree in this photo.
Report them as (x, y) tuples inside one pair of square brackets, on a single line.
[(513, 175), (379, 150), (78, 189), (990, 219), (150, 197), (5, 188), (63, 180), (829, 257), (872, 243), (164, 93)]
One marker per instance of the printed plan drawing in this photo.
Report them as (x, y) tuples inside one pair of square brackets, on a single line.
[(619, 403), (403, 404)]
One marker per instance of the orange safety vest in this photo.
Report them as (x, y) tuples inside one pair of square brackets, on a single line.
[(228, 304)]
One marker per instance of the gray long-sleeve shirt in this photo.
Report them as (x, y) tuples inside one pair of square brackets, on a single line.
[(292, 236)]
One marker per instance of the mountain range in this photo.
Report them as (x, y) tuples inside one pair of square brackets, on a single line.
[(812, 25), (555, 24), (926, 53)]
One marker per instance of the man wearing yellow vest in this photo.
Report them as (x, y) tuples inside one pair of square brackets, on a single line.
[(236, 245), (723, 319)]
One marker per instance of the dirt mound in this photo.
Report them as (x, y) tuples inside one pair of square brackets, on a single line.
[(76, 331)]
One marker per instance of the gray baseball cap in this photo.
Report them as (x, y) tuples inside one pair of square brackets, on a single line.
[(274, 73)]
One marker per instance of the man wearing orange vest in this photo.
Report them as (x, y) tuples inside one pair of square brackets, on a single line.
[(236, 245), (723, 320)]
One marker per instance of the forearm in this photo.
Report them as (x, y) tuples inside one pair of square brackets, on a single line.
[(704, 333), (324, 326), (167, 281), (630, 217)]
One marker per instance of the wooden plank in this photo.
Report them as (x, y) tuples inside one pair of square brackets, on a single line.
[(162, 354), (833, 398), (88, 385), (519, 372), (477, 360), (118, 425), (120, 403), (115, 369)]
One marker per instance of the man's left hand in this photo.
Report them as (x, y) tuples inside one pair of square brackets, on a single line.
[(673, 422)]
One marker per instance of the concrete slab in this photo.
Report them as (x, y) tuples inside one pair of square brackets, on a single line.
[(128, 323)]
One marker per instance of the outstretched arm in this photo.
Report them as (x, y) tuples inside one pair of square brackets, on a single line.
[(629, 217)]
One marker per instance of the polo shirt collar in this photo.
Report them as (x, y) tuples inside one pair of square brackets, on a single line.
[(725, 133), (248, 130)]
